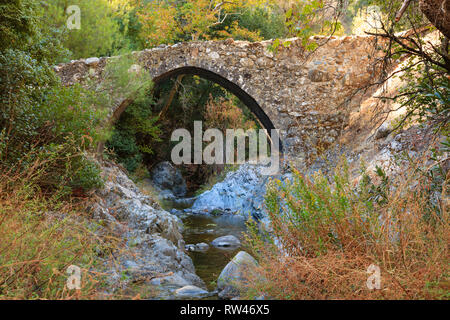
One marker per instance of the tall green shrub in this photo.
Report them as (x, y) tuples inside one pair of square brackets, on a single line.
[(99, 34), (42, 123)]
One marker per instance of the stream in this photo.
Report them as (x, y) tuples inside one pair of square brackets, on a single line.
[(202, 221), (206, 228)]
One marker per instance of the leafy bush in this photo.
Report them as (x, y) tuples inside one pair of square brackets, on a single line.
[(99, 34), (270, 23), (46, 133), (170, 22), (125, 149), (18, 23), (133, 135), (225, 114), (40, 119), (136, 129), (426, 97)]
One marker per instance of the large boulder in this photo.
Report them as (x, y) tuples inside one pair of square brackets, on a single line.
[(234, 277), (166, 177), (242, 191)]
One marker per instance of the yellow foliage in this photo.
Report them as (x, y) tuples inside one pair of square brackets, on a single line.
[(166, 22), (158, 23)]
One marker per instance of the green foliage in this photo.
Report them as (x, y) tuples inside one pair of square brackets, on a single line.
[(18, 22), (42, 123), (124, 79), (38, 121), (133, 31), (375, 193), (99, 34), (134, 134), (126, 151), (171, 22), (308, 207), (426, 97), (136, 130), (304, 19), (269, 23), (87, 176)]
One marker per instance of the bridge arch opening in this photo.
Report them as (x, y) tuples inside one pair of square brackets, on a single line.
[(172, 112), (246, 99)]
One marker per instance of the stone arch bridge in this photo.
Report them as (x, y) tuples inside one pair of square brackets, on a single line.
[(307, 96)]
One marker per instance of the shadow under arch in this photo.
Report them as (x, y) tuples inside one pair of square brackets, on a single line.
[(248, 100)]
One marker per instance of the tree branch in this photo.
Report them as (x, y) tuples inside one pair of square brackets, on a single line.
[(402, 10)]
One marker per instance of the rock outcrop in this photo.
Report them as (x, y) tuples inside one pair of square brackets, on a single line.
[(169, 185), (242, 191), (150, 255)]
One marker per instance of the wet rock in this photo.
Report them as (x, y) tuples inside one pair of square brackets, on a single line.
[(166, 177), (190, 247), (229, 241), (202, 246), (169, 200), (168, 283), (191, 292), (166, 195), (184, 202), (242, 191), (197, 247), (234, 276)]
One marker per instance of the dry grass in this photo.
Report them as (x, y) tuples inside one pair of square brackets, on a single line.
[(330, 233), (41, 235)]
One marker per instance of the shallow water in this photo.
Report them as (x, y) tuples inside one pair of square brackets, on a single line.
[(206, 228)]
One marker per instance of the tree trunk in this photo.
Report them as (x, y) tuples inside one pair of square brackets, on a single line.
[(438, 12)]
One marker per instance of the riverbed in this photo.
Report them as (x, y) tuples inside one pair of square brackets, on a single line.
[(206, 228)]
